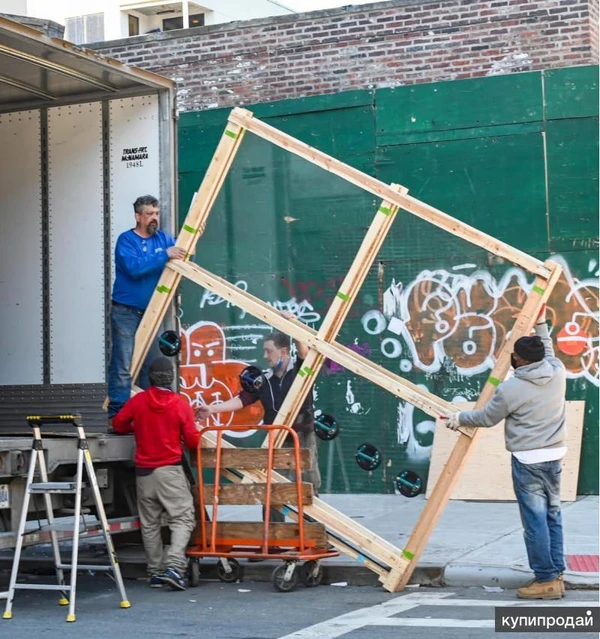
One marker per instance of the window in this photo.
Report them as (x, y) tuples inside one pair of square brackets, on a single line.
[(134, 25), (84, 29), (196, 20)]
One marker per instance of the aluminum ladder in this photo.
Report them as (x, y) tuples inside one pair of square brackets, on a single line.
[(46, 488)]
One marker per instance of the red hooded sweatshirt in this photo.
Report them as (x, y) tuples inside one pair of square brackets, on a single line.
[(159, 419)]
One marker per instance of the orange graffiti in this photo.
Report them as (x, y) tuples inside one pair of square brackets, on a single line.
[(206, 377), (468, 319)]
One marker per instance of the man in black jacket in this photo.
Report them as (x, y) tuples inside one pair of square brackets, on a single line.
[(278, 380)]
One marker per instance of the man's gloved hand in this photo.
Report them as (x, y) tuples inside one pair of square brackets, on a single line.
[(453, 422)]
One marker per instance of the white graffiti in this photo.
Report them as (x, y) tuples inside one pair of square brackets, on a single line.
[(352, 406), (466, 316), (409, 434), (302, 309)]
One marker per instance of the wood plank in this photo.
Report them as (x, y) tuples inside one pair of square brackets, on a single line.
[(343, 529), (190, 233), (338, 311), (487, 474), (245, 119), (427, 402), (278, 532), (250, 494), (465, 445), (242, 458)]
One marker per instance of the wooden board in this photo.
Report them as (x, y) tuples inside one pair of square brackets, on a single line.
[(394, 566), (283, 458), (251, 494), (244, 119), (487, 474), (450, 474), (337, 313), (282, 534)]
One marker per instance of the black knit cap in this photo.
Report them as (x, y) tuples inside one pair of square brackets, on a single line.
[(161, 372), (530, 348)]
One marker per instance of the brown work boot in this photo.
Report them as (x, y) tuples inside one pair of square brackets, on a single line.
[(561, 578), (537, 590)]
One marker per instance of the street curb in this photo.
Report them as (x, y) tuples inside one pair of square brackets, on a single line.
[(353, 574), (509, 578)]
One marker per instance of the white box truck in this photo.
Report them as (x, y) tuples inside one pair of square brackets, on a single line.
[(81, 136)]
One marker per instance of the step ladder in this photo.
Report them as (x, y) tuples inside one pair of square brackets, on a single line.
[(47, 488)]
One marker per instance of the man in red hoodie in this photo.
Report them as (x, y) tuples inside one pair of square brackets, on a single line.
[(159, 420)]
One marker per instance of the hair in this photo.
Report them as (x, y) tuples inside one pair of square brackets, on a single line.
[(144, 200), (279, 339), (163, 379)]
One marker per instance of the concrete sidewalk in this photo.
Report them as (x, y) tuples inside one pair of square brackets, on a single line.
[(473, 544)]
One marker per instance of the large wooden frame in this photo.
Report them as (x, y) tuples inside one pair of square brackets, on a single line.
[(393, 565)]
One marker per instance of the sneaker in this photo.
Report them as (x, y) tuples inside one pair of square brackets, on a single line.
[(173, 578), (156, 581)]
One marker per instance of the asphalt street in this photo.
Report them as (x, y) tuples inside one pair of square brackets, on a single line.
[(252, 610)]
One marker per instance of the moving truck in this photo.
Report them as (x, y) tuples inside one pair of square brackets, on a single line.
[(81, 136)]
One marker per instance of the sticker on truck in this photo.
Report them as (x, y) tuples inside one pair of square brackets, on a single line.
[(4, 500)]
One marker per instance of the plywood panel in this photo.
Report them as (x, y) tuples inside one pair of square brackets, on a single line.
[(250, 494), (280, 534), (487, 474), (254, 458)]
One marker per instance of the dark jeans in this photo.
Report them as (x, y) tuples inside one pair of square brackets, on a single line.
[(537, 487), (124, 322)]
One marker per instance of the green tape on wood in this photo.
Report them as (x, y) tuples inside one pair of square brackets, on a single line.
[(189, 229), (385, 210), (308, 370), (343, 296), (301, 373), (163, 289), (538, 289), (408, 555), (493, 381), (231, 134)]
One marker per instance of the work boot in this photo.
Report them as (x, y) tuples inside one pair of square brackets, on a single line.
[(537, 590), (561, 578)]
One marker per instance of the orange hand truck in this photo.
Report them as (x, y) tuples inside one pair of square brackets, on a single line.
[(293, 542)]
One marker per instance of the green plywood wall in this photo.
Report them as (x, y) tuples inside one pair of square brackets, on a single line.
[(515, 156)]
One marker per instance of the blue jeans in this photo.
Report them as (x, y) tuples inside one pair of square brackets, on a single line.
[(124, 322), (537, 487)]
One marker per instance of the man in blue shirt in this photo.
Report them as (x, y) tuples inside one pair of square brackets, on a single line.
[(140, 256)]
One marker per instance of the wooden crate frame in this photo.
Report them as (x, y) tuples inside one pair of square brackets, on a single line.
[(393, 565)]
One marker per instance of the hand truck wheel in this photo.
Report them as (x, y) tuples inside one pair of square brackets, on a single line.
[(311, 573), (194, 573), (285, 577), (236, 570)]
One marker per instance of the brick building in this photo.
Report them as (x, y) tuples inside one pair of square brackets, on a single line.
[(357, 47)]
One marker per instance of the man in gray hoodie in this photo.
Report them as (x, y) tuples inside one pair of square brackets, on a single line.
[(532, 403)]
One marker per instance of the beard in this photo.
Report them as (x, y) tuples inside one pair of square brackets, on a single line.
[(152, 228), (513, 362)]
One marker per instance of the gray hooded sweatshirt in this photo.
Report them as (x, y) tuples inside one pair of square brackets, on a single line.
[(532, 402)]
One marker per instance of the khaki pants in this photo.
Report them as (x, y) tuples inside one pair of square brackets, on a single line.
[(312, 476), (165, 490)]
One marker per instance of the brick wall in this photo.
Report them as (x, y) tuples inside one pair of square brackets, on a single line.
[(380, 45), (594, 19)]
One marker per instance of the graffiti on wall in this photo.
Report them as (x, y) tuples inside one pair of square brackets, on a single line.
[(465, 315), (449, 322), (207, 377)]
